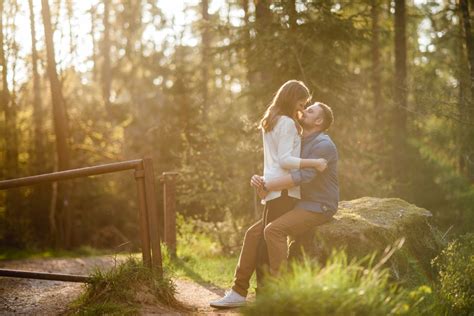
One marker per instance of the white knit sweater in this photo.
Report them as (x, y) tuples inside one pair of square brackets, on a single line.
[(281, 150)]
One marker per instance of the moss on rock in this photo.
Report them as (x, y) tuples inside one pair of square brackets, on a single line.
[(367, 225)]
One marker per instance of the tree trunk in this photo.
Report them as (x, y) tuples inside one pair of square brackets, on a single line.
[(468, 105), (292, 14), (376, 83), (11, 163), (206, 42), (12, 199), (4, 94), (464, 7), (94, 52), (39, 150), (399, 132), (247, 43), (63, 212), (106, 77), (70, 15), (39, 213), (263, 61)]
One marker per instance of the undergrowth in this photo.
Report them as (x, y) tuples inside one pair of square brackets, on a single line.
[(200, 256), (341, 287), (124, 289)]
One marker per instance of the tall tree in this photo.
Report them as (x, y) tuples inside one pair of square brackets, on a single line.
[(375, 48), (61, 129), (39, 150), (206, 43), (39, 213), (468, 105), (70, 17), (292, 14), (247, 45), (262, 62), (466, 18), (399, 132), (106, 77), (92, 34), (8, 107)]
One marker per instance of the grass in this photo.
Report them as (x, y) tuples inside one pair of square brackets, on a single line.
[(338, 286), (124, 290), (199, 259), (341, 287)]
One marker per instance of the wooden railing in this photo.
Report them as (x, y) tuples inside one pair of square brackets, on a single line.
[(148, 212)]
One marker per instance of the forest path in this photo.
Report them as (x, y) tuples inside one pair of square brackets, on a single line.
[(42, 297)]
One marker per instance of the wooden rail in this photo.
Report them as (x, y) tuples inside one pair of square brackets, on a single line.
[(71, 174), (44, 276), (148, 212)]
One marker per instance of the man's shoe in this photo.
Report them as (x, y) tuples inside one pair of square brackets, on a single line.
[(230, 299)]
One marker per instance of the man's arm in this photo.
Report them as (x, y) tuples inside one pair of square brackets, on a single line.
[(323, 150)]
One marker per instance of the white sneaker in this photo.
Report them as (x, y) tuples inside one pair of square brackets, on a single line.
[(230, 299)]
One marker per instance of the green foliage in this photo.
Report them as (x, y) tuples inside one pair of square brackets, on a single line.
[(123, 288), (203, 123), (341, 287), (200, 256), (455, 266)]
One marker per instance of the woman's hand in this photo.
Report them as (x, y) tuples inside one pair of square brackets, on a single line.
[(321, 164), (257, 182)]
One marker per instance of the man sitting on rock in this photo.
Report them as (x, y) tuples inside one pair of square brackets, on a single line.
[(319, 200)]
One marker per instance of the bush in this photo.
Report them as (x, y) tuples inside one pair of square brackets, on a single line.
[(339, 288), (455, 265)]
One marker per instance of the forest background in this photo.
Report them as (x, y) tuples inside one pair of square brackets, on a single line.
[(92, 82)]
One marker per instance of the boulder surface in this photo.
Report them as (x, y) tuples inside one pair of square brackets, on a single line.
[(369, 225)]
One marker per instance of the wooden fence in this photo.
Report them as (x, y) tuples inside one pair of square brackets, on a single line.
[(148, 213)]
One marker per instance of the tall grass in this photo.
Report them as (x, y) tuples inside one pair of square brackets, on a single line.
[(123, 289), (341, 287)]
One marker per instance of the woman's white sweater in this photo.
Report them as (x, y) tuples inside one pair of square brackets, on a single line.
[(281, 150)]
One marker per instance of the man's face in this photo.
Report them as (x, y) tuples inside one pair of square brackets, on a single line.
[(312, 116)]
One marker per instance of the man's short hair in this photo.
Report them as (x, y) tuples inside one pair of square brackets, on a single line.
[(328, 116)]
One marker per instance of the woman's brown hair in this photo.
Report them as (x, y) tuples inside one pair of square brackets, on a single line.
[(284, 103)]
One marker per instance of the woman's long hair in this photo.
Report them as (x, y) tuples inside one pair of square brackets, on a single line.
[(284, 103)]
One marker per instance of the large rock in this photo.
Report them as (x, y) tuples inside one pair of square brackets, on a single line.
[(368, 225)]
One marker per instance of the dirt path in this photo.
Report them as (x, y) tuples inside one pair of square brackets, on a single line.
[(41, 297), (198, 297)]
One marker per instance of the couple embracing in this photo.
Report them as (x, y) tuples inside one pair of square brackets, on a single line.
[(299, 186)]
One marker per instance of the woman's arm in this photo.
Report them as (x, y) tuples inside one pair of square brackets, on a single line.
[(319, 164), (286, 134)]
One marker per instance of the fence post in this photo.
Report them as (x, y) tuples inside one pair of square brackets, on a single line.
[(169, 206), (152, 215), (143, 216)]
